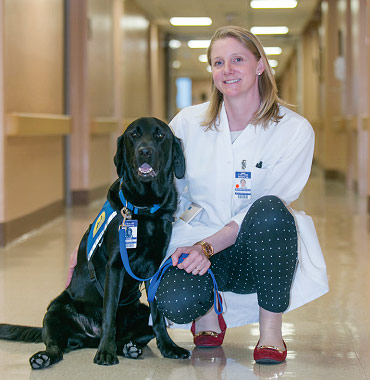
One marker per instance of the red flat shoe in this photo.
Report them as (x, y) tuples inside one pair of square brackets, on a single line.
[(269, 354), (209, 338)]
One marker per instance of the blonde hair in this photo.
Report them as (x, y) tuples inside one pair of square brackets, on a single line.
[(269, 106)]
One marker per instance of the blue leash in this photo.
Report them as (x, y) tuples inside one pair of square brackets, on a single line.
[(156, 278)]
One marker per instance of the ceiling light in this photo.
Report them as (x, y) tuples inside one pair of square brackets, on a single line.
[(263, 4), (273, 62), (273, 50), (269, 29), (199, 44), (176, 64), (203, 58), (174, 44), (190, 21), (209, 68)]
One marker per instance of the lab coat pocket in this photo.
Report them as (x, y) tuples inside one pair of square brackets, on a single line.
[(259, 182)]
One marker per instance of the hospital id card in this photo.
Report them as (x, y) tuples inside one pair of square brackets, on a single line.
[(131, 233), (243, 185), (191, 212)]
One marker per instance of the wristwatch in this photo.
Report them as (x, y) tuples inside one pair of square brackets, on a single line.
[(207, 248)]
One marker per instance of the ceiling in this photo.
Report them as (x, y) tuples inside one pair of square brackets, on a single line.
[(226, 12)]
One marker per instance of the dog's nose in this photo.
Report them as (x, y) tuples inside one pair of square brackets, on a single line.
[(145, 152)]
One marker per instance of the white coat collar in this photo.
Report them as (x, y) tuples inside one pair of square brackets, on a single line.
[(250, 131)]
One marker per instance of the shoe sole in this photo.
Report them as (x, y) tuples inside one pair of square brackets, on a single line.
[(269, 361)]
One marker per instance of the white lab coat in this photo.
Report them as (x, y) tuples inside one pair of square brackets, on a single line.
[(286, 151)]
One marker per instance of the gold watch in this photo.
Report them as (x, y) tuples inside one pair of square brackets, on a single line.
[(207, 248)]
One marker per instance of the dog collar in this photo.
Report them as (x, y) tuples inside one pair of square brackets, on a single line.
[(137, 210)]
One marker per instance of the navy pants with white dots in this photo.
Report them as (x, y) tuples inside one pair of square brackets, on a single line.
[(262, 260)]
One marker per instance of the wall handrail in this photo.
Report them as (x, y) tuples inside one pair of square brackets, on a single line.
[(37, 124)]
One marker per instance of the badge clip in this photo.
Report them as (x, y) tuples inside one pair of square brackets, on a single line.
[(126, 214)]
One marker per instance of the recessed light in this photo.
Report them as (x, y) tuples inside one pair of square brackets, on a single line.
[(190, 21), (273, 62), (203, 58), (174, 44), (273, 50), (264, 4), (199, 44), (176, 64), (269, 29)]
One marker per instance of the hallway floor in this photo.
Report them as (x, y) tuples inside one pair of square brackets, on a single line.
[(327, 339)]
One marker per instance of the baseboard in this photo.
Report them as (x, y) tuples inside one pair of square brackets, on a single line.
[(84, 197), (334, 175), (13, 229)]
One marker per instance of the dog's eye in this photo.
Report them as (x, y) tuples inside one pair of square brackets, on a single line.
[(134, 134), (159, 135)]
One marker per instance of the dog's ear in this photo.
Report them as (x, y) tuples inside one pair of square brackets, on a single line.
[(178, 157), (119, 157)]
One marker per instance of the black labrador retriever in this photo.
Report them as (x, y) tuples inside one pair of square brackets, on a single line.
[(101, 307)]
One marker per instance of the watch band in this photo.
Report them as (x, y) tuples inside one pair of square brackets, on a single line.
[(207, 248)]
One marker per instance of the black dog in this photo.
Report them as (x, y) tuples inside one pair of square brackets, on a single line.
[(108, 314)]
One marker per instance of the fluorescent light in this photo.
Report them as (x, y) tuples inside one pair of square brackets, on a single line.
[(209, 68), (134, 23), (203, 58), (273, 50), (263, 4), (199, 44), (269, 29), (273, 62), (174, 44), (190, 21)]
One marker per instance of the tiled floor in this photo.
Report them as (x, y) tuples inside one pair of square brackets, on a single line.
[(327, 339)]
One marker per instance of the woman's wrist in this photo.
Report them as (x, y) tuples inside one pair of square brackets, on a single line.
[(207, 248)]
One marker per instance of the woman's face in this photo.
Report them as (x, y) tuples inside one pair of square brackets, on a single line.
[(234, 68)]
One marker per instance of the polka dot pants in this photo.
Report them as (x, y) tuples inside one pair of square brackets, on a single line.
[(262, 260)]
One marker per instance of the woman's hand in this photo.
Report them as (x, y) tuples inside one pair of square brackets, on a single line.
[(195, 263)]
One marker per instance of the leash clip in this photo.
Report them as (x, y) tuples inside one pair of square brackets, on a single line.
[(126, 214)]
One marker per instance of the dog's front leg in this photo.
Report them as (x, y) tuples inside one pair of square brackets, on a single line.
[(107, 350), (165, 344)]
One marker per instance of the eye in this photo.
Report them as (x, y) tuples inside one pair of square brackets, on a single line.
[(238, 59), (217, 63), (134, 134), (159, 135)]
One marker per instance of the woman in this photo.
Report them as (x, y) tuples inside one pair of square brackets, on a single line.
[(249, 238)]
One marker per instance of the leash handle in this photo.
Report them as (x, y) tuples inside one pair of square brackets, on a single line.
[(156, 278), (154, 283)]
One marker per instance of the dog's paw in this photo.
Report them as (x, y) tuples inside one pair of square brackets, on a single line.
[(131, 351), (105, 357), (174, 352), (40, 360)]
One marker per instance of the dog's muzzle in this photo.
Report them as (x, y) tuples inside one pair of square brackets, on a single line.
[(145, 170)]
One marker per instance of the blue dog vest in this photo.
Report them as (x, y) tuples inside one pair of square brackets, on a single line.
[(98, 228)]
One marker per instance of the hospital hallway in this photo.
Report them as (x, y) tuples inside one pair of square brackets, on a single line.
[(326, 339)]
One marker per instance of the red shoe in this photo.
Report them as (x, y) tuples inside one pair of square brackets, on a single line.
[(269, 354), (209, 338)]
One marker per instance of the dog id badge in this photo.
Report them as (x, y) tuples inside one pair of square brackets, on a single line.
[(131, 233), (243, 185)]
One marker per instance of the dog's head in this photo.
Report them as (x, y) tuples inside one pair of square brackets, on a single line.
[(148, 150)]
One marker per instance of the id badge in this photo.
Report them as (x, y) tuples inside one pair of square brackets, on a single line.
[(243, 185), (131, 233)]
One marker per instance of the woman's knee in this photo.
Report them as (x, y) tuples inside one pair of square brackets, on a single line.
[(183, 297), (270, 210)]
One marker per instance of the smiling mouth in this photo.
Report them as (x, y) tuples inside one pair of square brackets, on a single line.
[(231, 81), (145, 170)]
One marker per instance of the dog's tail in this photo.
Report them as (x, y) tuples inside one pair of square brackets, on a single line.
[(21, 333)]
